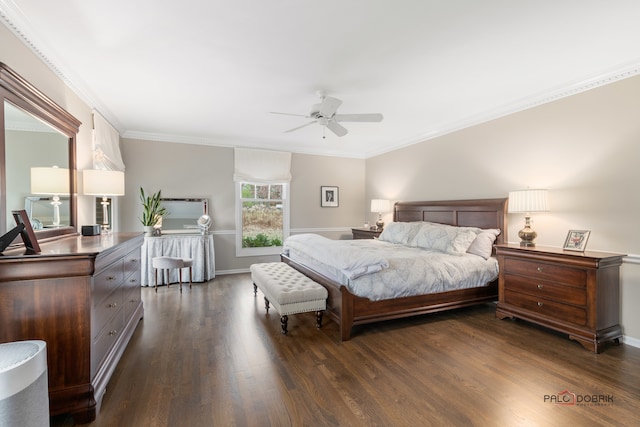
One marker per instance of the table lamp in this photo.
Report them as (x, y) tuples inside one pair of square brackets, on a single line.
[(380, 206), (52, 181), (528, 201), (104, 183)]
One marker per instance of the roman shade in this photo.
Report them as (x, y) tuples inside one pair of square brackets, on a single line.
[(262, 166), (106, 145)]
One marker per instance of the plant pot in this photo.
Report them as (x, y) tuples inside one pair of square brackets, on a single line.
[(148, 230)]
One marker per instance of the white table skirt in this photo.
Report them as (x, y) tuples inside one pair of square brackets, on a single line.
[(194, 246)]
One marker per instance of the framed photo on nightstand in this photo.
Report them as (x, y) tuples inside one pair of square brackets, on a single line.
[(576, 240)]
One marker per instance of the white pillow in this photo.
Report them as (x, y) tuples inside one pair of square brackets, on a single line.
[(444, 238), (399, 232), (483, 244)]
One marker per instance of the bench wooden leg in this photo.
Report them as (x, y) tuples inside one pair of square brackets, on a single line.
[(255, 289), (319, 319), (266, 304), (283, 320)]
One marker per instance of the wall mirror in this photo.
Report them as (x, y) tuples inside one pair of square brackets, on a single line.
[(35, 132), (183, 214)]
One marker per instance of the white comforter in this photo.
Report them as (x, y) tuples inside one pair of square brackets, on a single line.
[(410, 271), (353, 262)]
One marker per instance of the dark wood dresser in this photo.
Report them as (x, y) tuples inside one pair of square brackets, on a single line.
[(577, 293), (82, 296), (365, 233)]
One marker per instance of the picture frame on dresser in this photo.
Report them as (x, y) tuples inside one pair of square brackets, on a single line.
[(576, 240), (329, 197)]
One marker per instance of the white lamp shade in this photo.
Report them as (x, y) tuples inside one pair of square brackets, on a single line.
[(50, 180), (380, 205), (103, 182), (529, 201)]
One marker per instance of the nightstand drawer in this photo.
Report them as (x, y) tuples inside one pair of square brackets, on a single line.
[(538, 270), (562, 312), (546, 290)]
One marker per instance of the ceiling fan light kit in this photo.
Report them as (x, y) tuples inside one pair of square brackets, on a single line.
[(325, 114)]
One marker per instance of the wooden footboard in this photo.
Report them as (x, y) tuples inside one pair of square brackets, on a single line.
[(349, 310)]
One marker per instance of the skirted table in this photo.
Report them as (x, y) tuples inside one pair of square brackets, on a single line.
[(194, 246)]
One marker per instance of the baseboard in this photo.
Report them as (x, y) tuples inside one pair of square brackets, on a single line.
[(633, 342)]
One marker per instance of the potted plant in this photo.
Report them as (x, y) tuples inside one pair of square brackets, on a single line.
[(152, 210)]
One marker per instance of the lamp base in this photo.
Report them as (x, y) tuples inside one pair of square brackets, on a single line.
[(527, 234), (379, 223)]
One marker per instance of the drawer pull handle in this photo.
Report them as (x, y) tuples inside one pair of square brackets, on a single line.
[(540, 269), (133, 301), (133, 280), (540, 304), (113, 305), (112, 333), (111, 278), (540, 286)]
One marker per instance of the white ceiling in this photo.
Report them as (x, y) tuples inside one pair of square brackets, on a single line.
[(210, 71)]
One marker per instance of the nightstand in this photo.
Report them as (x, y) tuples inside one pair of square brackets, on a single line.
[(577, 293), (365, 233)]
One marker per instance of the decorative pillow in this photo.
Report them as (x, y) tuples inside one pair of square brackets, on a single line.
[(444, 238), (399, 232), (483, 244)]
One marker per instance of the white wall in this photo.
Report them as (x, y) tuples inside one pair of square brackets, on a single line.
[(584, 149)]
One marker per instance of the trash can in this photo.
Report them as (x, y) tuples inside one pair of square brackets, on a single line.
[(24, 393)]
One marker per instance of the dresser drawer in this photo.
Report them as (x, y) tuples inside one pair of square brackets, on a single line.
[(131, 300), (559, 311), (105, 341), (547, 290), (132, 263), (104, 310), (538, 270), (105, 282)]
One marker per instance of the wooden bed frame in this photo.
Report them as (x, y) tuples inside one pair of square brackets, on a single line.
[(348, 310)]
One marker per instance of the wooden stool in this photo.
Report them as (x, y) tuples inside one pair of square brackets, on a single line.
[(167, 263)]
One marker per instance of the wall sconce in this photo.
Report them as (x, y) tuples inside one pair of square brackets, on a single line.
[(52, 181), (380, 206), (103, 183), (528, 201)]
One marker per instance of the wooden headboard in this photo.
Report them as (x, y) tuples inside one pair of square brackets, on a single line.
[(483, 213)]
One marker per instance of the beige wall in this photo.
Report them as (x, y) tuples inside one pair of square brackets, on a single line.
[(585, 149), (184, 170), (22, 60)]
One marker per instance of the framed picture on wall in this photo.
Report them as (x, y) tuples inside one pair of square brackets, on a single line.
[(576, 240), (329, 197)]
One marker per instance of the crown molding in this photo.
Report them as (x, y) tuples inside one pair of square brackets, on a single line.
[(554, 94), (19, 24)]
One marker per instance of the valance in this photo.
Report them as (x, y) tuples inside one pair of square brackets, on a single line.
[(262, 166)]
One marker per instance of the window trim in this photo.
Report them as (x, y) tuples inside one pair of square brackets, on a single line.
[(271, 250)]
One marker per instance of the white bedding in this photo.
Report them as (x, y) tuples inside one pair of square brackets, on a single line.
[(410, 271)]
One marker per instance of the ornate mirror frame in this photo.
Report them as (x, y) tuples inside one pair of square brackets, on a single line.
[(21, 93)]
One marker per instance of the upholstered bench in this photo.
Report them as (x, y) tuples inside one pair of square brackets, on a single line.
[(289, 291)]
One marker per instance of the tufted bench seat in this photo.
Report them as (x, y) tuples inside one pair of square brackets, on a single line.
[(289, 291)]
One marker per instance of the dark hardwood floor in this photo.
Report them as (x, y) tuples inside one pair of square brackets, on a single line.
[(210, 357)]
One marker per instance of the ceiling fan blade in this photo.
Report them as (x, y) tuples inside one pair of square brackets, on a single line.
[(288, 114), (300, 127), (372, 117), (337, 128), (329, 106)]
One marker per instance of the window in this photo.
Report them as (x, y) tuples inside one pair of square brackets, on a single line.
[(262, 218)]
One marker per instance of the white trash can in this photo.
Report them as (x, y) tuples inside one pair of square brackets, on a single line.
[(24, 392)]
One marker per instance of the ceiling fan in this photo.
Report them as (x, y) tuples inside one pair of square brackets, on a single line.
[(325, 115)]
